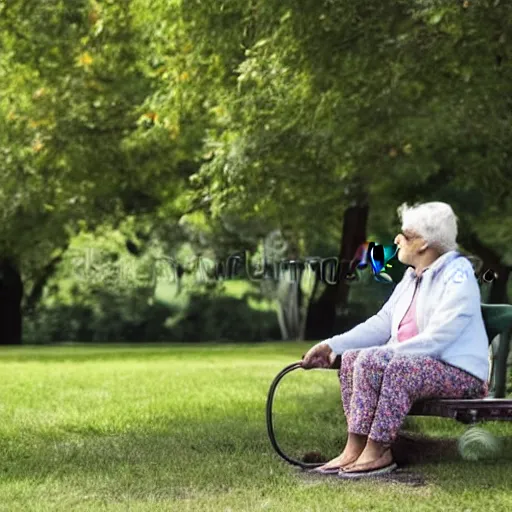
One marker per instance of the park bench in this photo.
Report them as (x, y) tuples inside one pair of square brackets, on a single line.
[(498, 325)]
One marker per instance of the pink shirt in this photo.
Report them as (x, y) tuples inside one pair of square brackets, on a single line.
[(408, 327)]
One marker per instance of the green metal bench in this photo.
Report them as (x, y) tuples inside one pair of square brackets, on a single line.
[(498, 325)]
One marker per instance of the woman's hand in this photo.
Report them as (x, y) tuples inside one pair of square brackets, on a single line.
[(319, 356)]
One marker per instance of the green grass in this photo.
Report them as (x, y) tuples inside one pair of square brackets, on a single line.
[(183, 428)]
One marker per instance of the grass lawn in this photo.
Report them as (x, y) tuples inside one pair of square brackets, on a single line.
[(183, 428)]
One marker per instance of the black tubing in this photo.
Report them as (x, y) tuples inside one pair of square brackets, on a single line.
[(270, 424)]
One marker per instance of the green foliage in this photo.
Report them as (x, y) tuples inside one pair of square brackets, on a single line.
[(82, 142), (103, 293), (99, 315), (219, 122), (338, 102)]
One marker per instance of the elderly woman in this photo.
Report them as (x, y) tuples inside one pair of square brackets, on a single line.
[(427, 341)]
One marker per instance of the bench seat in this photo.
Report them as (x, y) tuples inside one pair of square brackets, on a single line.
[(467, 411)]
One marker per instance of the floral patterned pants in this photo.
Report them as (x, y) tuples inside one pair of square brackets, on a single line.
[(378, 388)]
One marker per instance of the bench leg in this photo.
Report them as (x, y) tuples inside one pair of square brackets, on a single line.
[(501, 366)]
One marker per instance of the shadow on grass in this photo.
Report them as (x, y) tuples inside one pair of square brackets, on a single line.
[(425, 461), (215, 455), (415, 449)]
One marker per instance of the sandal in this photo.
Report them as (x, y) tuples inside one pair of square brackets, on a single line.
[(326, 471), (330, 471), (364, 471), (368, 473)]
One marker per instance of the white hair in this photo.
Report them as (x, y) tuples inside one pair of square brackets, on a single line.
[(435, 222)]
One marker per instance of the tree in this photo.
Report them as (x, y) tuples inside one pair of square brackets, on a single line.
[(81, 143), (388, 97)]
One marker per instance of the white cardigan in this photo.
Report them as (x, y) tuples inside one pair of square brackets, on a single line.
[(448, 315)]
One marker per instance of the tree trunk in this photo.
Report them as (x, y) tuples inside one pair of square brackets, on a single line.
[(38, 288), (11, 294), (288, 292), (321, 317), (288, 304)]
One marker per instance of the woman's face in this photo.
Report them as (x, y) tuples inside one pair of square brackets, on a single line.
[(409, 245)]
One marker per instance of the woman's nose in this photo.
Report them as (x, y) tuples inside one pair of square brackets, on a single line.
[(397, 239)]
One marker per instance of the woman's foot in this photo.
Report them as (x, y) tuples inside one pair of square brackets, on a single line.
[(353, 449), (374, 456), (334, 465)]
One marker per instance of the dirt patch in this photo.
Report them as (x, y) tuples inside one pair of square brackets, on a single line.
[(404, 476)]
